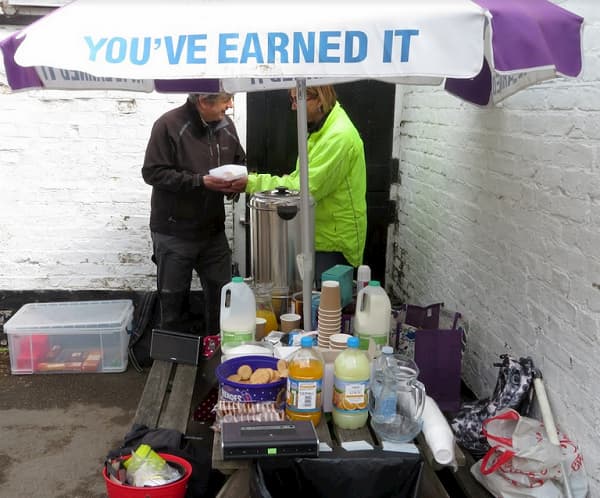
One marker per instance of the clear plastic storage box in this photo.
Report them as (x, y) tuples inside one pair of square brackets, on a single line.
[(70, 337)]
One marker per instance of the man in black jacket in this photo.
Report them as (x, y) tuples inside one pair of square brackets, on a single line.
[(187, 217)]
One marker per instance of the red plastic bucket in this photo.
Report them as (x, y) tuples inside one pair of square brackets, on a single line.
[(175, 489)]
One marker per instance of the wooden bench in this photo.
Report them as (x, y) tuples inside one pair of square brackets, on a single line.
[(167, 396)]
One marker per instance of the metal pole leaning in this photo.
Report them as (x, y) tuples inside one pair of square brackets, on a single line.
[(548, 419)]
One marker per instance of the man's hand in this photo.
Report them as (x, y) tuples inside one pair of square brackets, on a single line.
[(224, 185)]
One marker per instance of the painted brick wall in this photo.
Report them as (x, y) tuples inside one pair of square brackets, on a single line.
[(73, 206), (499, 217)]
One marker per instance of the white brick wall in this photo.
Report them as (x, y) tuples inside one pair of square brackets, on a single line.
[(499, 217), (73, 205)]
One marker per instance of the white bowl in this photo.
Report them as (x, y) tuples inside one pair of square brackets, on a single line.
[(246, 350)]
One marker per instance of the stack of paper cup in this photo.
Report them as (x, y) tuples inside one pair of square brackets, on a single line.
[(437, 432), (330, 312)]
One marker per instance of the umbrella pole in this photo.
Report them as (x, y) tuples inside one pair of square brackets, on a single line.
[(307, 267)]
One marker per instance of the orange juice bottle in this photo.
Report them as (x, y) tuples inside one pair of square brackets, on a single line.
[(304, 384)]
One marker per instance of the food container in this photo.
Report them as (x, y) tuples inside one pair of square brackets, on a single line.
[(236, 391), (70, 337)]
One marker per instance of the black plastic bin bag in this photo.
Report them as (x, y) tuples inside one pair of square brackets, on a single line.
[(338, 474)]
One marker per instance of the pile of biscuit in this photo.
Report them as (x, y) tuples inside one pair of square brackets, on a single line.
[(245, 374)]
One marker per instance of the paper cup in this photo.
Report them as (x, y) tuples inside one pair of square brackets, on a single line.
[(330, 295), (339, 340), (329, 322), (329, 317), (328, 331), (289, 321), (261, 324)]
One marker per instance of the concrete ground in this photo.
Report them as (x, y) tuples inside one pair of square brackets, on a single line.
[(56, 429)]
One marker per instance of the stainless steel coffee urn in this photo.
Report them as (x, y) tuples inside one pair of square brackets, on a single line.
[(276, 242)]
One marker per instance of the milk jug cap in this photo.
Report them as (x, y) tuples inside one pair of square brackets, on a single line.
[(387, 350), (374, 283), (237, 280), (353, 342)]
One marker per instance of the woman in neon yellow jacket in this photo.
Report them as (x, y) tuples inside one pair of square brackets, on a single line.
[(336, 179)]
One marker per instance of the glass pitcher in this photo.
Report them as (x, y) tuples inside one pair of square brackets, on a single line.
[(264, 306), (396, 413)]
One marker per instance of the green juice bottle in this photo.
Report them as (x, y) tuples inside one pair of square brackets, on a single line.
[(351, 371)]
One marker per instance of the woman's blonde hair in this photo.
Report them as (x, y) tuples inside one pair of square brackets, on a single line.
[(326, 95)]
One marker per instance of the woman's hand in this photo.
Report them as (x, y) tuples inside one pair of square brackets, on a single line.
[(239, 185)]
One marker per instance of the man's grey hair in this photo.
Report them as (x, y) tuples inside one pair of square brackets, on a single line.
[(193, 98)]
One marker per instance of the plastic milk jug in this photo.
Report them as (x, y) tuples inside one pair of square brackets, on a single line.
[(372, 316), (351, 372), (238, 313), (305, 383)]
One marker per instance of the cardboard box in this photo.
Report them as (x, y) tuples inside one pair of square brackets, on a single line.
[(70, 337)]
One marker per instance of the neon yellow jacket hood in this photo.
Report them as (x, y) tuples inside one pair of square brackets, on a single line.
[(337, 182)]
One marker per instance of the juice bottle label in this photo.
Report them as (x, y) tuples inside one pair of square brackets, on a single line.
[(304, 396), (235, 338), (363, 340), (350, 396)]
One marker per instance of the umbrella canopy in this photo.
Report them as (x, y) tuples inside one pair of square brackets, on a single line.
[(480, 50)]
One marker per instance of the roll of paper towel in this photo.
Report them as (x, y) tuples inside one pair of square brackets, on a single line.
[(437, 432)]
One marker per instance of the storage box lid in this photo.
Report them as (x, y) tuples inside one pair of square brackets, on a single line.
[(71, 315)]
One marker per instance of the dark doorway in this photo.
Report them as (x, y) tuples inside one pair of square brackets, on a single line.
[(272, 145)]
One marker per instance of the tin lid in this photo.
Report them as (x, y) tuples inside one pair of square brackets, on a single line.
[(282, 200), (281, 196)]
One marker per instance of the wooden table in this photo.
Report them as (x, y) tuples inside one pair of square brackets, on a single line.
[(239, 470), (166, 403)]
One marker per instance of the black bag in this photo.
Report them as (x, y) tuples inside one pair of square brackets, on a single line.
[(147, 314), (513, 390)]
